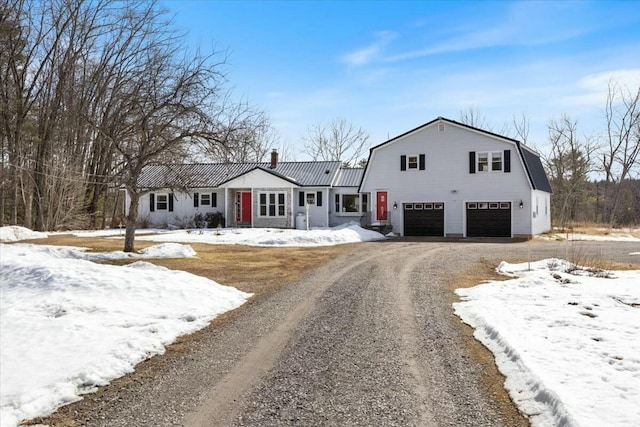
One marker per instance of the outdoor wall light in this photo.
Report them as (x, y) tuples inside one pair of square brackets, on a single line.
[(521, 204), (395, 205)]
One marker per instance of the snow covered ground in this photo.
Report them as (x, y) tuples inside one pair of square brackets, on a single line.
[(68, 324), (349, 233), (14, 233), (606, 235), (568, 343)]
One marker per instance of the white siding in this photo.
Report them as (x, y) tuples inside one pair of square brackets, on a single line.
[(318, 215), (541, 212), (446, 177), (183, 209)]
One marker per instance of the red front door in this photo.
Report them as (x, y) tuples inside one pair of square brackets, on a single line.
[(381, 203), (243, 207)]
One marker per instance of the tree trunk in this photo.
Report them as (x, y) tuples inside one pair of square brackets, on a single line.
[(131, 220)]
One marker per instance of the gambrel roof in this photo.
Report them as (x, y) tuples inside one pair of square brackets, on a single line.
[(531, 160), (211, 175)]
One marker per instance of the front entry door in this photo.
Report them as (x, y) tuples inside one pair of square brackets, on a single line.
[(381, 203), (243, 207)]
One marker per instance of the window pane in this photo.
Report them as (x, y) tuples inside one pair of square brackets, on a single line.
[(272, 198), (311, 199), (350, 203), (281, 198), (496, 161), (263, 210), (272, 210), (483, 162), (263, 199), (280, 210), (413, 162), (161, 202)]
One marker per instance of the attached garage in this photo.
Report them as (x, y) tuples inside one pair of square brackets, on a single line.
[(423, 219), (488, 219)]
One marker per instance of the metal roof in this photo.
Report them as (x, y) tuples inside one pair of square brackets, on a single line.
[(206, 175), (349, 177)]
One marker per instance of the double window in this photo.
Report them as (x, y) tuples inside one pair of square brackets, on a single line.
[(490, 161), (273, 204)]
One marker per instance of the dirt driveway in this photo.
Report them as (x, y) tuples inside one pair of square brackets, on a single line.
[(367, 339)]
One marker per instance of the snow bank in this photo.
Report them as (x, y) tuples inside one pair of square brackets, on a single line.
[(69, 325), (14, 233), (349, 233), (568, 344)]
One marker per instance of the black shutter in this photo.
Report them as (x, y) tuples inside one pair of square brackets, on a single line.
[(152, 202), (472, 162), (422, 162), (403, 163), (170, 202), (301, 198), (196, 200), (214, 200), (319, 198), (507, 160)]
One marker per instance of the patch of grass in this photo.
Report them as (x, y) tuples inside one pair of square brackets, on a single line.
[(491, 378)]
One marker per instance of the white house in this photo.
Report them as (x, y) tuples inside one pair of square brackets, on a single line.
[(275, 194), (445, 178)]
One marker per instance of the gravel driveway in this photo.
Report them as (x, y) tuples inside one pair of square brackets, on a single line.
[(368, 339)]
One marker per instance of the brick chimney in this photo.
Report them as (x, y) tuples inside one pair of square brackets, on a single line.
[(274, 158)]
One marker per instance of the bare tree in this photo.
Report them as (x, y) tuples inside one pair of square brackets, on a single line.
[(242, 134), (520, 128), (568, 166), (473, 117), (337, 140), (620, 159)]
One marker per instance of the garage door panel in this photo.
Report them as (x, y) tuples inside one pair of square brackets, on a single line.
[(488, 222), (423, 219)]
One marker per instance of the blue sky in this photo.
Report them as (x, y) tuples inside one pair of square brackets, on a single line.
[(392, 66)]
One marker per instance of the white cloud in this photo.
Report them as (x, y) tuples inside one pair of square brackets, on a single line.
[(369, 53), (591, 90)]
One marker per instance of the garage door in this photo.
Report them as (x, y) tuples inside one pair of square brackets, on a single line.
[(489, 219), (423, 219)]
